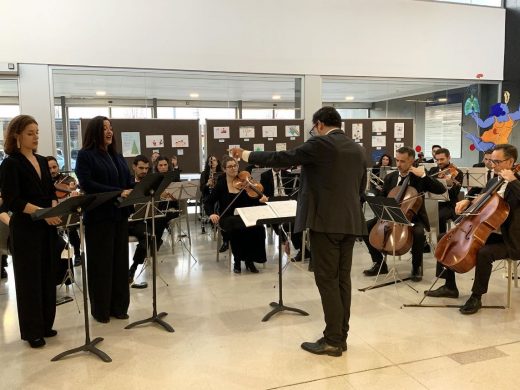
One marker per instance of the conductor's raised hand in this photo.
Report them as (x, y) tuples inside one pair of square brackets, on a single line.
[(236, 152)]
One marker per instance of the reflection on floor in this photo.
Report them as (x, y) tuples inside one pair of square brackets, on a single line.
[(221, 343)]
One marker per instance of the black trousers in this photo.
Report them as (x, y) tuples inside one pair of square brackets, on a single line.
[(107, 268), (417, 246), (34, 265), (494, 249), (446, 212), (332, 258)]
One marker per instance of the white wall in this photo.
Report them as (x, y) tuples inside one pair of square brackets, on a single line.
[(387, 38)]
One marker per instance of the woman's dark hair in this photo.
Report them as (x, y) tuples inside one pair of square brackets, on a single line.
[(329, 116), (226, 159), (390, 162), (207, 167), (14, 128), (94, 136), (162, 158)]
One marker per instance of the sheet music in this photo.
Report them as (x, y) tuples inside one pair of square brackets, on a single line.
[(283, 209)]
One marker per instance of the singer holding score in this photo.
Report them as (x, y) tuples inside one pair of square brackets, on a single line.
[(27, 187), (333, 180)]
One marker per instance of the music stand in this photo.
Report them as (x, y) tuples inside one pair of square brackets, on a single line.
[(388, 210), (475, 177), (71, 220), (150, 189), (184, 190), (70, 206)]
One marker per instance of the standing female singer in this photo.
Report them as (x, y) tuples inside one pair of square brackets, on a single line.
[(27, 187), (247, 244), (100, 169)]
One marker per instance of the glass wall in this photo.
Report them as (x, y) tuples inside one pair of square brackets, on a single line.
[(9, 107)]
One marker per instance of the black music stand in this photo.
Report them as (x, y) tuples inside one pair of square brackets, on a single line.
[(72, 220), (388, 210), (70, 206), (279, 306), (150, 190)]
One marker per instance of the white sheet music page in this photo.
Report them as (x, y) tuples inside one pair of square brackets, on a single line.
[(252, 214), (283, 209)]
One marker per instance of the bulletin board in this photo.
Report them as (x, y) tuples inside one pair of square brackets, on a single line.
[(252, 134), (169, 137), (380, 136)]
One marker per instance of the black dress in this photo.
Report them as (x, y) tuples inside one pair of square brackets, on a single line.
[(32, 243), (247, 244)]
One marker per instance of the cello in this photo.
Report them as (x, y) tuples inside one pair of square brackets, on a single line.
[(390, 238), (458, 249)]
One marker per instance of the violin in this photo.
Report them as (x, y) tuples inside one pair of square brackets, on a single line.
[(457, 249), (65, 186), (245, 182), (451, 171)]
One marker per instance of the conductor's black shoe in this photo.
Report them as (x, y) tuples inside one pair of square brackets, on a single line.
[(343, 344), (224, 247), (321, 347), (250, 266), (3, 273), (236, 268), (102, 320), (298, 257), (50, 333), (471, 306), (443, 292), (416, 275), (77, 260), (375, 269), (121, 316), (37, 343)]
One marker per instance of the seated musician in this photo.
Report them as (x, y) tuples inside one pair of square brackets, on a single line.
[(405, 157), (485, 163), (247, 244), (380, 170), (140, 166), (169, 202), (70, 184), (445, 170), (498, 246), (434, 149)]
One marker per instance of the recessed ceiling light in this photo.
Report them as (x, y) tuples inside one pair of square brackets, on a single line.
[(349, 97), (276, 97), (442, 99), (194, 95), (101, 93)]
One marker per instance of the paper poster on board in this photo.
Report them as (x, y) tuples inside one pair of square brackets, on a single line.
[(258, 147), (246, 131), (269, 131), (292, 131), (280, 147), (357, 131), (379, 127), (131, 143), (398, 130), (397, 145), (154, 141), (378, 141), (221, 132), (180, 141)]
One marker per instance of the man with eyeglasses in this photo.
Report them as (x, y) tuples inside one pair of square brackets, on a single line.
[(485, 163), (333, 179), (498, 246)]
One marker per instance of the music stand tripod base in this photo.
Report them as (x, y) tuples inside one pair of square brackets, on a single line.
[(89, 346), (155, 318)]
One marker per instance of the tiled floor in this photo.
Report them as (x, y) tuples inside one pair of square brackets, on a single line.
[(220, 342)]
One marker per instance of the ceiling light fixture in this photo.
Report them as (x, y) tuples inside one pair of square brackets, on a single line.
[(194, 95), (442, 99), (276, 97), (349, 97), (101, 93)]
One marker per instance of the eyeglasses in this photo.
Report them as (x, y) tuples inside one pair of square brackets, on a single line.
[(311, 131), (496, 162), (232, 166)]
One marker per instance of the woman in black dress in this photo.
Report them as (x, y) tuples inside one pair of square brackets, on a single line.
[(247, 244), (100, 168), (27, 187)]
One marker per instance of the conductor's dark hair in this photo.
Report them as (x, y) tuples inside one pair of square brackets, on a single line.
[(94, 136), (329, 116), (510, 151), (141, 158), (406, 150)]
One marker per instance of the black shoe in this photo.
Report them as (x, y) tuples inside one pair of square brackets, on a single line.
[(427, 248), (37, 343), (443, 292), (375, 269), (51, 333), (298, 257), (131, 273), (224, 247), (3, 273), (236, 268), (102, 320), (471, 306), (416, 275), (121, 316), (77, 260), (139, 285), (250, 266), (343, 344), (321, 347)]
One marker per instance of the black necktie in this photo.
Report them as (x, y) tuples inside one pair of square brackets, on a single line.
[(400, 180), (489, 175)]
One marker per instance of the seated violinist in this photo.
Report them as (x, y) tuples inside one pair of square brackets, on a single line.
[(453, 176), (66, 186), (404, 159), (247, 244), (497, 246)]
